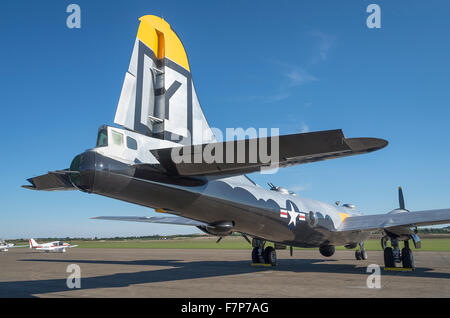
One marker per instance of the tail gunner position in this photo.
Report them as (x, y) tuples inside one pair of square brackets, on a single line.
[(159, 113)]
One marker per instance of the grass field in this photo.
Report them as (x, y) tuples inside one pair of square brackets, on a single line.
[(235, 242)]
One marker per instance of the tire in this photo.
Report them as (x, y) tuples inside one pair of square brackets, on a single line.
[(407, 258), (358, 255), (270, 256), (364, 255), (255, 256), (389, 260)]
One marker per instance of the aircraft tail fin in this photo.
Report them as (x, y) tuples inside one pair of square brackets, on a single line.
[(158, 98), (33, 243)]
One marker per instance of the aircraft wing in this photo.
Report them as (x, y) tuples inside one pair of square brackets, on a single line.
[(395, 220), (52, 181), (292, 149), (178, 220)]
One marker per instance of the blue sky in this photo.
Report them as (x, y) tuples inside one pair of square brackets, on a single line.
[(295, 65)]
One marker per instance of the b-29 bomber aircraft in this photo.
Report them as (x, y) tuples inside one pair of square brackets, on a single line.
[(159, 115)]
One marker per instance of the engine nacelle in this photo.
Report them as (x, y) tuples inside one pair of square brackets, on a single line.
[(397, 211), (218, 229), (327, 250)]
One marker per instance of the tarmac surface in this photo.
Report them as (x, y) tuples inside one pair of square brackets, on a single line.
[(214, 273)]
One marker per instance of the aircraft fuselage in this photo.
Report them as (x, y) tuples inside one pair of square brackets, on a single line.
[(267, 214)]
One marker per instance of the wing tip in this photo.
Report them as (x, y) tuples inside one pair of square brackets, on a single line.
[(29, 187), (366, 144)]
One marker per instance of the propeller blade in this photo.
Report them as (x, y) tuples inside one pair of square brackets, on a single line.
[(219, 239), (290, 250), (401, 200)]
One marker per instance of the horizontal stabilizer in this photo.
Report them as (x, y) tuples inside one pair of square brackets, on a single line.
[(178, 220), (52, 181), (391, 220), (250, 155)]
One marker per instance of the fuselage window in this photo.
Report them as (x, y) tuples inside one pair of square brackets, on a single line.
[(117, 138), (102, 139), (131, 143)]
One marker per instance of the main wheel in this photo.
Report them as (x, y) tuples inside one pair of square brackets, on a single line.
[(358, 255), (364, 255), (407, 258), (255, 255), (270, 256), (389, 260)]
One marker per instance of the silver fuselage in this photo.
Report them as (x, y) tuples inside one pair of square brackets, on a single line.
[(251, 209)]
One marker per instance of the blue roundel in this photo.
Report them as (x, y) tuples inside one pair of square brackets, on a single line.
[(291, 206)]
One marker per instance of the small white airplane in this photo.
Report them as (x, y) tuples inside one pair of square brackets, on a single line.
[(5, 246), (56, 246)]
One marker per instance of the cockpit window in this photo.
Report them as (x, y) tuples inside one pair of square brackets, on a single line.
[(117, 138), (131, 143), (102, 138)]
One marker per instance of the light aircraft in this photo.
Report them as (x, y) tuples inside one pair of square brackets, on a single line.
[(56, 246), (160, 117), (5, 246)]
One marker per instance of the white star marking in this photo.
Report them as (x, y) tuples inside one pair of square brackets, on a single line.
[(293, 216)]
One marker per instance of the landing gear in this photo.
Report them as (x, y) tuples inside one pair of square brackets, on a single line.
[(389, 260), (393, 255), (256, 255), (361, 254), (407, 256), (263, 255), (270, 256), (396, 250)]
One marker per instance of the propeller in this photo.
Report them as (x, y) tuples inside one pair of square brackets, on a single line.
[(401, 200), (290, 250), (219, 239), (401, 203)]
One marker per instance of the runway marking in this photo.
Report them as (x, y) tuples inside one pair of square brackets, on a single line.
[(398, 269), (363, 287), (262, 265)]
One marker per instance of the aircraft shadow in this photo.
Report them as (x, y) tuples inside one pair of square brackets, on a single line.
[(180, 270)]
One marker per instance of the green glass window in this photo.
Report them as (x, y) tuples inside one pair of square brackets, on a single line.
[(117, 138), (102, 138)]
